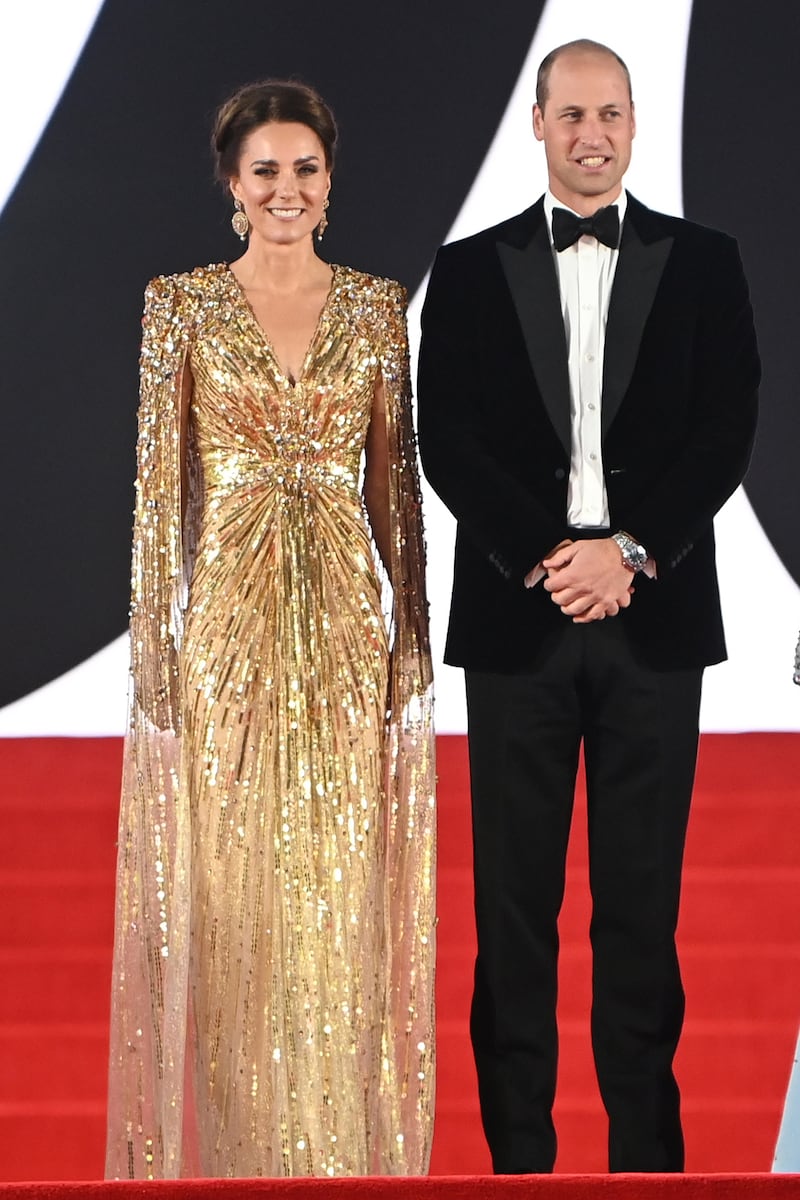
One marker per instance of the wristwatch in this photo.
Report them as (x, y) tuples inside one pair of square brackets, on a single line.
[(634, 556)]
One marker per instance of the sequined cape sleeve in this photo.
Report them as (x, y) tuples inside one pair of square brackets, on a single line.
[(411, 849), (148, 1004)]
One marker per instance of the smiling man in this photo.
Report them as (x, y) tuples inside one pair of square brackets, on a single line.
[(587, 402)]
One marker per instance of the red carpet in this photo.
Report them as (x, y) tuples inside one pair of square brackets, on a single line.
[(554, 1187), (740, 945)]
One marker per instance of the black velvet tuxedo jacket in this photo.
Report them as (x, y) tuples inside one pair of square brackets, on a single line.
[(679, 400)]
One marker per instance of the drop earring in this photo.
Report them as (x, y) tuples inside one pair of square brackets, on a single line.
[(239, 222), (323, 221)]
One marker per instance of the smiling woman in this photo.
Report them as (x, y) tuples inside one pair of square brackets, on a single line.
[(275, 880), (274, 144), (281, 192)]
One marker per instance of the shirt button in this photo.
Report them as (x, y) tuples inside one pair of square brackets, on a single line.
[(593, 457), (560, 473), (590, 358), (591, 407)]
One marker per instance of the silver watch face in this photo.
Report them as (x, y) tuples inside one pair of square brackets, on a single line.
[(633, 555), (638, 556)]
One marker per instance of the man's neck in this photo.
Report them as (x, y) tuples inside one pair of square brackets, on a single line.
[(585, 206)]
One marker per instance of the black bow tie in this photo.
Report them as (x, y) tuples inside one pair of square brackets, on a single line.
[(604, 225)]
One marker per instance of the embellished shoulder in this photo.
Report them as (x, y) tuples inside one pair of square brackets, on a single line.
[(175, 304), (373, 303), (198, 284), (370, 289)]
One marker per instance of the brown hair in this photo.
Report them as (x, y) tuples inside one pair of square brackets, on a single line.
[(582, 46), (281, 100)]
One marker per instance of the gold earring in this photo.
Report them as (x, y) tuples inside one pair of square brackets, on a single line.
[(323, 221), (239, 222)]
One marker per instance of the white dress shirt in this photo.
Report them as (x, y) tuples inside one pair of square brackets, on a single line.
[(585, 277), (585, 272)]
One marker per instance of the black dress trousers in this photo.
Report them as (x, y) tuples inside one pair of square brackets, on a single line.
[(639, 729)]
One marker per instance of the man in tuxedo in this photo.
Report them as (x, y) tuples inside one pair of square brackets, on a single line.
[(587, 402)]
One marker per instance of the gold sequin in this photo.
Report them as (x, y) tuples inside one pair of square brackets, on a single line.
[(275, 903)]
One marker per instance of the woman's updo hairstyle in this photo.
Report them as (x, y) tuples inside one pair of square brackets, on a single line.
[(281, 100)]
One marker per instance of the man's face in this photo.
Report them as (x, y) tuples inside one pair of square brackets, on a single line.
[(587, 126)]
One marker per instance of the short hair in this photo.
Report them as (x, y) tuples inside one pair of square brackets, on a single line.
[(283, 101), (582, 46)]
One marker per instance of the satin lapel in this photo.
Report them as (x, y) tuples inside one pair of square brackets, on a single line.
[(531, 276), (636, 281)]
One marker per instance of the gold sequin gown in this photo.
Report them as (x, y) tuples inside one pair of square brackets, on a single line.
[(272, 1005)]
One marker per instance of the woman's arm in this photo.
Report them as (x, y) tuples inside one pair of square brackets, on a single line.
[(376, 477)]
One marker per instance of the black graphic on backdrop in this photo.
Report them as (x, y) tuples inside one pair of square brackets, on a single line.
[(119, 189), (741, 173)]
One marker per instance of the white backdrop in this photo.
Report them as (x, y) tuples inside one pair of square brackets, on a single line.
[(753, 690)]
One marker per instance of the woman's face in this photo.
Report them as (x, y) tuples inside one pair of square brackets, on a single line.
[(282, 182)]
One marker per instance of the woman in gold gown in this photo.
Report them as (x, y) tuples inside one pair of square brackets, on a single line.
[(272, 1006)]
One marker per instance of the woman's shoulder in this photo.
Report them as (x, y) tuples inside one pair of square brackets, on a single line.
[(181, 299), (198, 281), (369, 289)]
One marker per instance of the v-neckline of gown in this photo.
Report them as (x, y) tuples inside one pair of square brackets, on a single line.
[(265, 338)]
